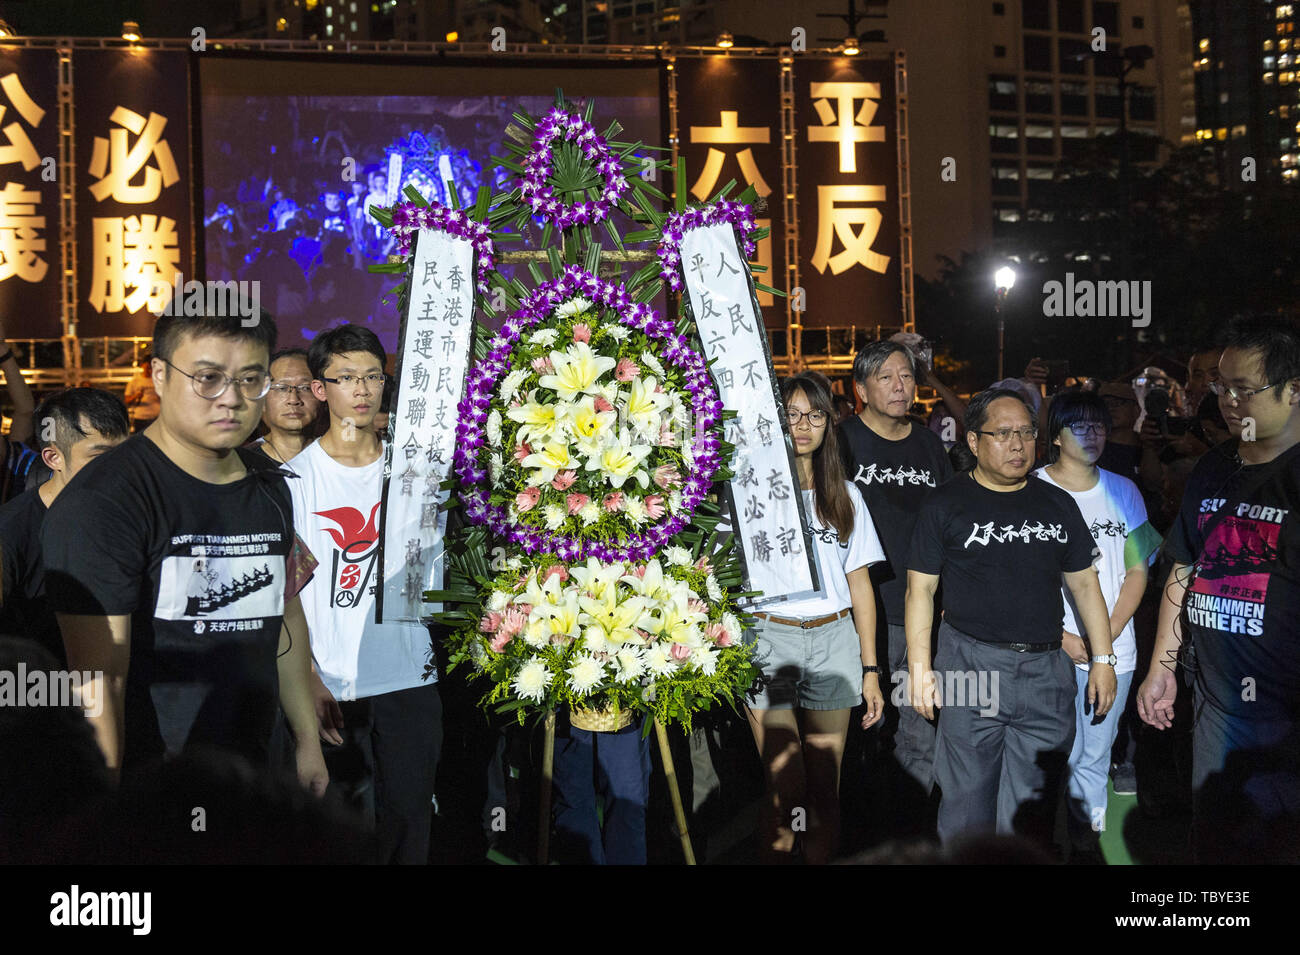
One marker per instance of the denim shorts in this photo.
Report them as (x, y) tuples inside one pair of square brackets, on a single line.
[(815, 669)]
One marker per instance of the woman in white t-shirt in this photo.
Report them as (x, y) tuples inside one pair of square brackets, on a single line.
[(1112, 507), (810, 646)]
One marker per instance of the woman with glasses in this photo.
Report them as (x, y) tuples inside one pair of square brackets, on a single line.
[(1112, 507), (810, 645)]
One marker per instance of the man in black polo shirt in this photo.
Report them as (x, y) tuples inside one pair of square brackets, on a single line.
[(1234, 594), (1001, 544), (73, 428), (896, 463)]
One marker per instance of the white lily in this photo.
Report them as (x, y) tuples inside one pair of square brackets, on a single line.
[(644, 406), (591, 429), (616, 618), (596, 577), (620, 462), (549, 461), (577, 370), (650, 586), (540, 421)]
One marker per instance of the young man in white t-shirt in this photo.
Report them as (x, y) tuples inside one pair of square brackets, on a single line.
[(388, 716), (1113, 509)]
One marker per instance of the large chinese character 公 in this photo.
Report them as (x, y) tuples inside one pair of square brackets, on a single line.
[(833, 223), (139, 252), (115, 163), (729, 132), (18, 146), (19, 234), (840, 125)]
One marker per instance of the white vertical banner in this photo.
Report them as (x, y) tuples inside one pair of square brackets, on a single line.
[(432, 359), (768, 508)]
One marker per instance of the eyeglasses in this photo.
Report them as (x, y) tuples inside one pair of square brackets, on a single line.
[(1081, 429), (815, 418), (1219, 388), (281, 389), (212, 384), (348, 381), (1003, 435)]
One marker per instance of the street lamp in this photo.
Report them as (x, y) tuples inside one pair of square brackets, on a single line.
[(1003, 279)]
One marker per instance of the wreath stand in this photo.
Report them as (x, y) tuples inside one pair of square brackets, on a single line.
[(548, 767)]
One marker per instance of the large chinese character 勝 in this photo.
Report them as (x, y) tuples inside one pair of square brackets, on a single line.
[(840, 125), (139, 252), (729, 132)]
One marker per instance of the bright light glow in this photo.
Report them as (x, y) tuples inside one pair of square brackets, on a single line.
[(1004, 278), (453, 37), (131, 31), (851, 46), (726, 41)]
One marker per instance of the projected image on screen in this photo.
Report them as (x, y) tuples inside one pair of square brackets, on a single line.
[(289, 181)]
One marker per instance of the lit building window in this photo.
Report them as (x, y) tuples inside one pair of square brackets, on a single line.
[(1268, 77), (1284, 11), (1221, 133), (1204, 46), (1284, 44), (1009, 215), (1239, 131), (1268, 44)]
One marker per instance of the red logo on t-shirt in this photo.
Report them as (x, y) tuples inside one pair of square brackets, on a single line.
[(356, 538), (354, 531)]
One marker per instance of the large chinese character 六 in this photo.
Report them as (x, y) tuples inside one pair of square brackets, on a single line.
[(19, 235), (840, 124), (729, 132), (139, 252), (833, 222), (114, 162), (18, 147)]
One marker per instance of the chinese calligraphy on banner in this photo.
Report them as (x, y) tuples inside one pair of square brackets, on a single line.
[(30, 261), (133, 189), (768, 506), (848, 192), (432, 359), (729, 129)]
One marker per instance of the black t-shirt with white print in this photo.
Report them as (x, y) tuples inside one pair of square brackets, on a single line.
[(1000, 556), (895, 478), (200, 568), (1243, 606)]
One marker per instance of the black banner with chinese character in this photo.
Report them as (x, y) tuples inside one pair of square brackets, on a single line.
[(729, 126), (133, 186), (30, 261), (847, 153)]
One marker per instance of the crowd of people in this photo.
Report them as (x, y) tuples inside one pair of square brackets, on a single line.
[(1025, 581)]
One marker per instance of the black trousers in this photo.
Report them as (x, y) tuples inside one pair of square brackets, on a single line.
[(387, 766)]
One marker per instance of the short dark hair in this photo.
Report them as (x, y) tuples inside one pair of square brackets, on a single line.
[(287, 353), (874, 354), (337, 341), (977, 410), (1276, 338), (103, 411), (1069, 408), (170, 330)]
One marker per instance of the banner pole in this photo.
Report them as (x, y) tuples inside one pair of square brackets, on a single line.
[(671, 773), (544, 810)]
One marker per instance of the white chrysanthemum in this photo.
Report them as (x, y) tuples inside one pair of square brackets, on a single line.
[(706, 658), (659, 660), (585, 674), (731, 624), (545, 337), (651, 362), (498, 601), (674, 501), (537, 634), (494, 428), (711, 585), (678, 413), (554, 515), (574, 306), (495, 465), (630, 664), (677, 556), (634, 508), (618, 332), (514, 563), (589, 513), (512, 382), (532, 680)]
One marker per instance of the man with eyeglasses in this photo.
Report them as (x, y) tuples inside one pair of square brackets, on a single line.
[(896, 463), (377, 709), (178, 666), (1233, 599), (1004, 687), (291, 408)]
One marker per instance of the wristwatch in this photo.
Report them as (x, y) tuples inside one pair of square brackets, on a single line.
[(870, 668), (1106, 658)]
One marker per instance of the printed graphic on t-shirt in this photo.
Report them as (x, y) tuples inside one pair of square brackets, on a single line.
[(223, 577), (868, 474), (1101, 529), (353, 563), (982, 534), (1232, 576), (827, 535)]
